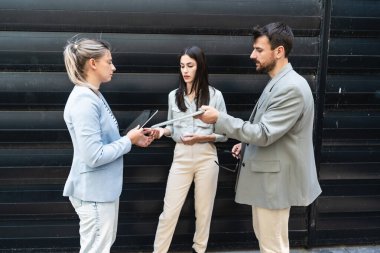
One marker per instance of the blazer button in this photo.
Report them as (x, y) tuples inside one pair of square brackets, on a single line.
[(243, 164), (247, 144)]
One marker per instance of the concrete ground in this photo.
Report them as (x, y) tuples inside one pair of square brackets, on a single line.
[(335, 249), (339, 249)]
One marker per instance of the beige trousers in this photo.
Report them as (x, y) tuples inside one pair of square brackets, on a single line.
[(271, 229), (190, 163)]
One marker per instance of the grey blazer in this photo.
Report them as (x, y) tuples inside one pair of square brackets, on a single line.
[(97, 168), (278, 167)]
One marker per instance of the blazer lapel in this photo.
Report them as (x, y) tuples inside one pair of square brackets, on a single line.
[(253, 113), (268, 88), (243, 146)]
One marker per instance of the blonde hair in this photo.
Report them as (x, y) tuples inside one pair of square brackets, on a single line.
[(77, 52)]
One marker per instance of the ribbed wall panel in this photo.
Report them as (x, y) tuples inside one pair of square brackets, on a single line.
[(349, 210), (146, 36)]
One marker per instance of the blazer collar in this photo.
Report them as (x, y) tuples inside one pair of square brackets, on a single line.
[(288, 67)]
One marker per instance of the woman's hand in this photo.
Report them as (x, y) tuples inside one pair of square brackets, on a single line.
[(157, 133), (140, 137), (190, 139), (236, 151)]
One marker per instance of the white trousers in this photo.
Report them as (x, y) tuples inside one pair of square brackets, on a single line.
[(271, 229), (97, 226), (190, 163)]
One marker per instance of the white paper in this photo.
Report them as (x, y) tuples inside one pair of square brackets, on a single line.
[(168, 122)]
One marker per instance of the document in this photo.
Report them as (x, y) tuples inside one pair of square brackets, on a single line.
[(168, 122)]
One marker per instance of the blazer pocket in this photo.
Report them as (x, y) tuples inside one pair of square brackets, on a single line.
[(265, 166)]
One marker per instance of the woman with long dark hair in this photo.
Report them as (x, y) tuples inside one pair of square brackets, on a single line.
[(194, 153)]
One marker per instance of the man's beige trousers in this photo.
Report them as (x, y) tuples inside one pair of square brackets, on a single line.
[(271, 229)]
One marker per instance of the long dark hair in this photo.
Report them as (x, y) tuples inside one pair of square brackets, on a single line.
[(200, 83)]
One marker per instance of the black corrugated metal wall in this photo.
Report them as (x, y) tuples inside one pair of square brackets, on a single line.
[(349, 209), (335, 50)]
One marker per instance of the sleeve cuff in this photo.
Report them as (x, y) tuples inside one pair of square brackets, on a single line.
[(127, 143), (219, 124)]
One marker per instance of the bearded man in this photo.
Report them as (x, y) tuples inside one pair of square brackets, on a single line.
[(277, 158)]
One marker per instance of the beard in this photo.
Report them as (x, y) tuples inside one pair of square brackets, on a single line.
[(266, 68)]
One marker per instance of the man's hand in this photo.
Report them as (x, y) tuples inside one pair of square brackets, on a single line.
[(210, 115), (236, 149)]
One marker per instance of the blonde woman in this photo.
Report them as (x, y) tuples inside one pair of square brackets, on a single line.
[(96, 176)]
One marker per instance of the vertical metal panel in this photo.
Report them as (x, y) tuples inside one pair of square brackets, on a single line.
[(348, 210)]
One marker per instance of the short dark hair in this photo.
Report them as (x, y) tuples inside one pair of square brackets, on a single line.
[(279, 34)]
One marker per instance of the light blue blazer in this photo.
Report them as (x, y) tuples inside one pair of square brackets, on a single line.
[(97, 169)]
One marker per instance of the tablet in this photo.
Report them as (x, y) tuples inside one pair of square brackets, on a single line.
[(144, 117), (143, 124), (168, 122)]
